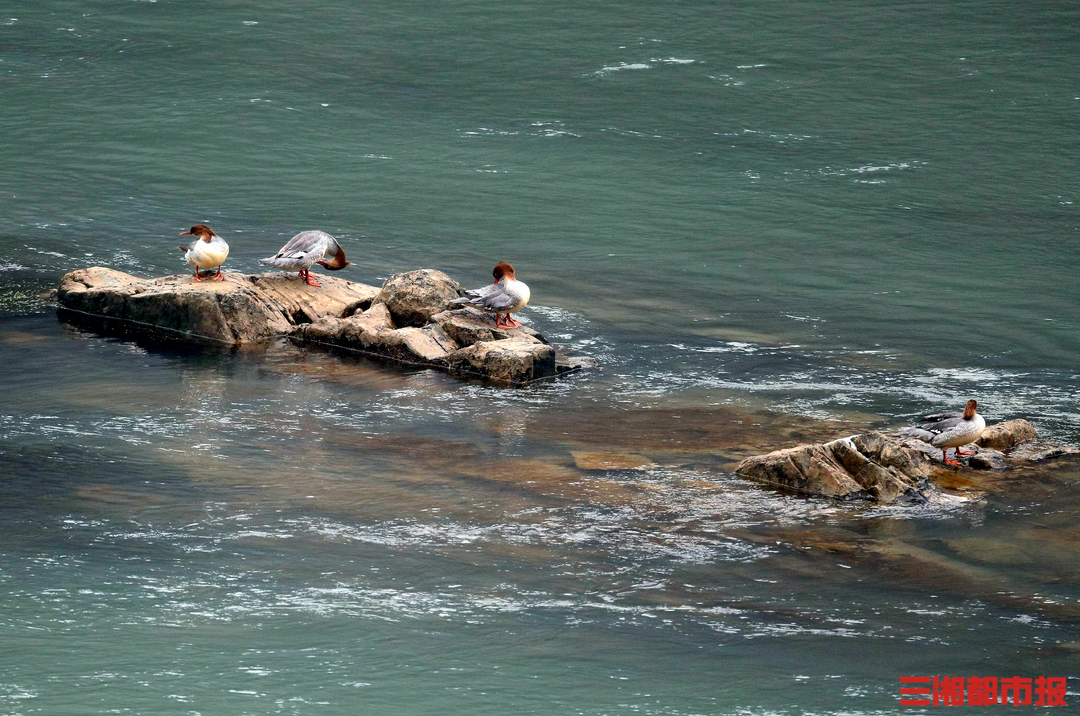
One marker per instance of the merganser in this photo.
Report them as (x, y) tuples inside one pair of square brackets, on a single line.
[(206, 252), (306, 249), (506, 295), (950, 430)]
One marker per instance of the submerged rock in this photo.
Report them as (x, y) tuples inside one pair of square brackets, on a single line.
[(406, 321), (1052, 452), (588, 460), (870, 466)]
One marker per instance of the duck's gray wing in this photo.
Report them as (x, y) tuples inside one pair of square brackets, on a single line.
[(917, 433), (943, 416), (936, 424), (493, 298), (305, 245), (928, 431)]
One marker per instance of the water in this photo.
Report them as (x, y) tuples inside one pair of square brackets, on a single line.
[(770, 222)]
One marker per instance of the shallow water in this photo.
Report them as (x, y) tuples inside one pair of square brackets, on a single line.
[(770, 223)]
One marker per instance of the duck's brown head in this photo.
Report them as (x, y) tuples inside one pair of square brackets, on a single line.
[(969, 409), (503, 270), (203, 231), (337, 263)]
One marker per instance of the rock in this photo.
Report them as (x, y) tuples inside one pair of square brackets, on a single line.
[(245, 309), (611, 461), (570, 364), (870, 466), (238, 310), (1007, 435), (515, 361), (1052, 453), (414, 297), (986, 459)]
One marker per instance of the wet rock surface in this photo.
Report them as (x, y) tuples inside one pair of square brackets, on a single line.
[(406, 321), (870, 466), (885, 469), (237, 310)]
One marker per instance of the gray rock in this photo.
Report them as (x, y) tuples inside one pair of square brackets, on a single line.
[(414, 297), (238, 310), (1007, 435), (1053, 453), (870, 466), (571, 364), (986, 459)]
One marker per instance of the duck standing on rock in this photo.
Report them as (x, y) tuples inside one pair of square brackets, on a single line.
[(950, 430), (307, 249), (506, 295), (206, 252)]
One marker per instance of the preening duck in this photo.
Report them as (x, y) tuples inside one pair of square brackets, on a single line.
[(950, 430), (505, 296), (206, 252), (307, 249)]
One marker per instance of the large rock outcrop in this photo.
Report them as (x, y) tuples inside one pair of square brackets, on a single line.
[(240, 309), (870, 466), (406, 321), (876, 467)]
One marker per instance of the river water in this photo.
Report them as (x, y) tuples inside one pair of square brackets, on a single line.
[(770, 222)]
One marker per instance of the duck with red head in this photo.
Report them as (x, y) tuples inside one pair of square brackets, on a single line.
[(307, 249), (505, 296), (950, 430), (206, 252)]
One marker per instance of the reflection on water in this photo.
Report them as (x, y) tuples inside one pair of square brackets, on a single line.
[(291, 517)]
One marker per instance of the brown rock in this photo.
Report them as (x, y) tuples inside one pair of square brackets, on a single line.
[(244, 309), (414, 297), (869, 466), (1007, 435), (240, 309), (512, 360)]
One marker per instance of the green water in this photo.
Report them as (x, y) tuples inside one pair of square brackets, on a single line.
[(755, 214)]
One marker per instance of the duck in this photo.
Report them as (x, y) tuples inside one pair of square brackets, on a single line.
[(307, 249), (503, 297), (206, 252), (950, 430)]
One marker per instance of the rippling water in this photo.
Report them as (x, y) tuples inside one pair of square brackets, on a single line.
[(771, 222)]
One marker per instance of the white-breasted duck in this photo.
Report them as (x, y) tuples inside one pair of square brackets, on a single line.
[(503, 297), (206, 252), (950, 430)]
